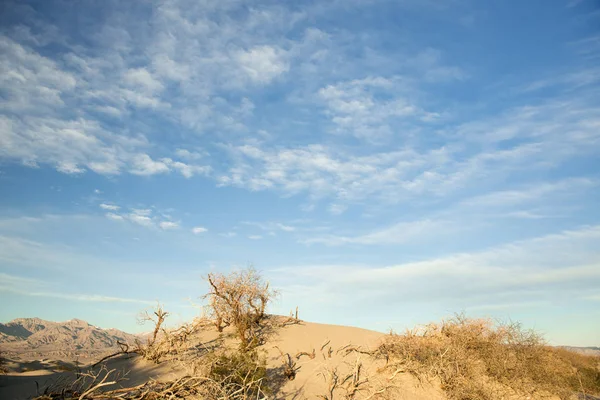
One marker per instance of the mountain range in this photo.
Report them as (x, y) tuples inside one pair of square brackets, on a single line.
[(27, 338)]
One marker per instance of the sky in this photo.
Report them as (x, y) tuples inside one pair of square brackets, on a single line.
[(382, 163)]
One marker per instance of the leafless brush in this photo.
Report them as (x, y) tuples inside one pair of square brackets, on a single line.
[(289, 366), (311, 355), (88, 385), (347, 381), (240, 300), (292, 319), (476, 359), (154, 349)]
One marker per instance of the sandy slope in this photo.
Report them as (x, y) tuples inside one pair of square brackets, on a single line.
[(310, 380)]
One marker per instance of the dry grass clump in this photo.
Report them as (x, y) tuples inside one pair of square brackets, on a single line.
[(476, 359), (240, 300)]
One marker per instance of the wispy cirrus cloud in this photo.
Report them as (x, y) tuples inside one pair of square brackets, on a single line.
[(110, 207), (566, 262), (271, 226), (145, 217), (400, 233), (33, 287)]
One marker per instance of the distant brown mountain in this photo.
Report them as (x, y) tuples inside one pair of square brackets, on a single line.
[(590, 351), (34, 337)]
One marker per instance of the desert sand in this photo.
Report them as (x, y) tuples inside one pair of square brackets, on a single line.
[(28, 379)]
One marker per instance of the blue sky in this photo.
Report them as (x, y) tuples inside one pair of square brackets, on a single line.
[(383, 163)]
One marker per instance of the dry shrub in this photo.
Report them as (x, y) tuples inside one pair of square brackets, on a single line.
[(88, 385), (155, 347), (348, 381), (240, 300), (587, 375), (239, 374), (476, 359), (222, 375), (290, 368)]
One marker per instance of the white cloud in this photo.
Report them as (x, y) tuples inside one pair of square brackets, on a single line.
[(141, 79), (114, 216), (262, 64), (168, 225), (402, 232), (201, 75), (33, 287), (69, 168), (189, 155), (110, 207), (141, 220), (42, 92), (323, 171), (143, 164), (141, 217), (271, 226), (255, 237), (531, 193), (228, 234), (354, 107), (337, 209), (199, 229), (285, 228), (142, 211), (554, 265), (187, 170), (473, 154)]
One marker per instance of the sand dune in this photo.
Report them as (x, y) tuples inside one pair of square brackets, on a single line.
[(324, 340), (318, 350)]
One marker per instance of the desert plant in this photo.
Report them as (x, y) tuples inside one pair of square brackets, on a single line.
[(240, 374), (351, 384), (290, 368), (153, 349), (88, 385), (476, 359), (239, 299)]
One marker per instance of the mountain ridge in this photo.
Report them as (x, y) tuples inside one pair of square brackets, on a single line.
[(34, 337)]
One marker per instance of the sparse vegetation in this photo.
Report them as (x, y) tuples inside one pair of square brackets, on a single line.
[(290, 368), (240, 300), (3, 368), (153, 349), (471, 359), (240, 374), (476, 359)]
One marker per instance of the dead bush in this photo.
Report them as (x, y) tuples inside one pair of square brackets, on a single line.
[(154, 348), (88, 385), (476, 359), (240, 374), (240, 300), (290, 368), (351, 384)]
